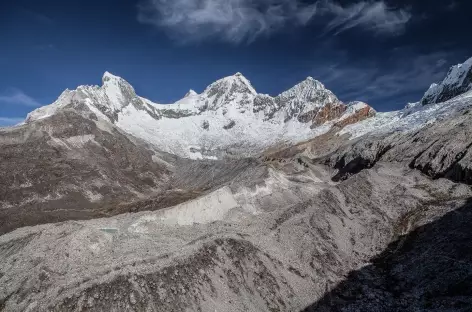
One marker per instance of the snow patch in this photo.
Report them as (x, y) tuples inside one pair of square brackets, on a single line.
[(79, 141), (408, 119), (92, 196), (206, 209)]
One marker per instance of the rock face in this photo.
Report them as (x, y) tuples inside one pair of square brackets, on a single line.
[(440, 150), (355, 112), (429, 262), (328, 112), (291, 202), (458, 80)]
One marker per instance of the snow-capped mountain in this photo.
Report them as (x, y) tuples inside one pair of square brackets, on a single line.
[(228, 117), (305, 100), (93, 215), (458, 80), (452, 97), (106, 101)]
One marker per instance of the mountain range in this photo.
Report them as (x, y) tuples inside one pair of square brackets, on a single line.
[(231, 200), (228, 115)]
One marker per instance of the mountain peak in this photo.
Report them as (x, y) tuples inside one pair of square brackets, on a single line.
[(241, 79), (313, 82), (457, 81), (236, 81), (229, 89), (306, 89), (107, 76), (118, 90), (110, 79), (191, 92)]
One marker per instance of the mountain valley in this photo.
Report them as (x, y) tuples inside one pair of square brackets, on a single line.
[(231, 200)]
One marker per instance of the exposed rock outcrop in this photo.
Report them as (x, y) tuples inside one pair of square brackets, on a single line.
[(355, 112), (439, 150)]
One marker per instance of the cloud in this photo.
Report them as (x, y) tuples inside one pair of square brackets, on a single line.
[(18, 97), (36, 17), (388, 83), (373, 16), (230, 20), (244, 20), (43, 19), (452, 5), (10, 121), (45, 47)]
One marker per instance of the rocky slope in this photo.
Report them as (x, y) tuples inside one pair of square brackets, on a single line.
[(344, 213), (68, 166), (426, 270), (440, 149), (247, 252)]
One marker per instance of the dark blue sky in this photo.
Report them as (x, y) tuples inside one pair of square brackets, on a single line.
[(383, 52)]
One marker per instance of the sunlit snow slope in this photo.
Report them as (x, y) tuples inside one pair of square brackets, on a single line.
[(228, 117)]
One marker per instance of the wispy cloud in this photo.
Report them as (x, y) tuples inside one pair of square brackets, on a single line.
[(18, 97), (36, 17), (388, 83), (452, 5), (45, 47), (232, 20), (373, 16), (39, 18), (244, 20), (10, 121)]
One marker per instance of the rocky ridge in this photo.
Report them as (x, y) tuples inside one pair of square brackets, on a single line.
[(458, 80), (236, 119)]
